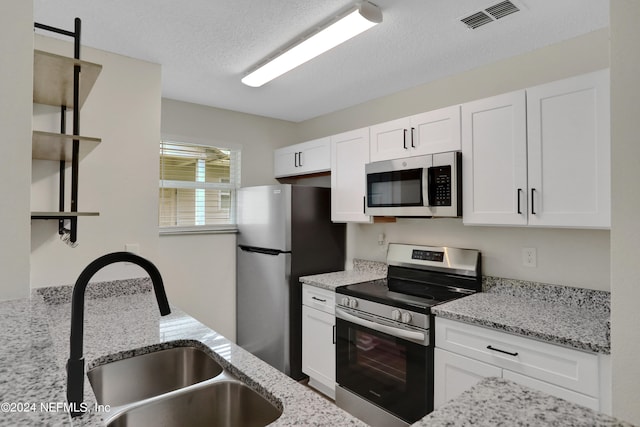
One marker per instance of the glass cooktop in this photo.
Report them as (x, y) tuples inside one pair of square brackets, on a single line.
[(410, 295)]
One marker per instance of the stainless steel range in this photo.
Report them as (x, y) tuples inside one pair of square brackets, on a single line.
[(384, 348)]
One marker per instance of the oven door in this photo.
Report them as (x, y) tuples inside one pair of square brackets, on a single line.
[(393, 372)]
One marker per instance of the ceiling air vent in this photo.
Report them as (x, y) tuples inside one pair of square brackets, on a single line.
[(476, 20), (502, 9), (490, 14)]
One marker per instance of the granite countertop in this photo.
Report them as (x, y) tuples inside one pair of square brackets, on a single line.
[(499, 402), (121, 319), (363, 271), (35, 338), (572, 317)]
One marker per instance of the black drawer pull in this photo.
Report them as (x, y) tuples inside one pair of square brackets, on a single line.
[(501, 351), (318, 299)]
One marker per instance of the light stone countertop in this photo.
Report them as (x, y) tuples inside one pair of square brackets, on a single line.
[(572, 317), (499, 402), (331, 281), (363, 271), (122, 317), (35, 348)]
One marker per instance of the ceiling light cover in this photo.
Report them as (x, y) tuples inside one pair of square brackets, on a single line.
[(353, 23)]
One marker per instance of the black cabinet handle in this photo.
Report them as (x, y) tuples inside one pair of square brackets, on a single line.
[(318, 299), (364, 204), (533, 210), (300, 158), (412, 133), (404, 139), (501, 351), (334, 334), (295, 159), (519, 191)]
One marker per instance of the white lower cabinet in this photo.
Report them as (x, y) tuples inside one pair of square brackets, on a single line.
[(318, 338), (454, 374), (465, 354)]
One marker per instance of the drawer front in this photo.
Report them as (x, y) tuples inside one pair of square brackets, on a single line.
[(319, 298), (565, 367)]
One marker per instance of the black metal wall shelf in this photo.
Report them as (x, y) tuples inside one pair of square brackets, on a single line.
[(64, 82), (56, 146), (53, 79), (61, 215)]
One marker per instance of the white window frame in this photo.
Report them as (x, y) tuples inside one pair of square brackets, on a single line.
[(231, 187)]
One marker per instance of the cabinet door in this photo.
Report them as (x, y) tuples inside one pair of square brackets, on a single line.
[(315, 156), (285, 161), (318, 349), (436, 131), (391, 140), (454, 374), (494, 160), (349, 154), (569, 152), (304, 158)]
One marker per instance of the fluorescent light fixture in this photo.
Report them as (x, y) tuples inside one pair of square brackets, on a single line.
[(349, 25)]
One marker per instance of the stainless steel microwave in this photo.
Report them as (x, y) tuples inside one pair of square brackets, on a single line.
[(421, 186)]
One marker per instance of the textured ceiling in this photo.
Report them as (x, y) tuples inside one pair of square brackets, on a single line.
[(206, 46)]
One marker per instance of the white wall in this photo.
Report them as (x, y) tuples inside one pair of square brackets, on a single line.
[(119, 178), (16, 89), (625, 230), (570, 257), (256, 135), (200, 270)]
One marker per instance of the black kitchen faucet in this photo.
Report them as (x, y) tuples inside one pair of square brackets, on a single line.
[(75, 363)]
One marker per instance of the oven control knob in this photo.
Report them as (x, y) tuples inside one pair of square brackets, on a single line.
[(353, 303), (344, 301), (395, 315), (406, 317)]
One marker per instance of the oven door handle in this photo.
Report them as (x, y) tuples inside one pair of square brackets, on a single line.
[(414, 336)]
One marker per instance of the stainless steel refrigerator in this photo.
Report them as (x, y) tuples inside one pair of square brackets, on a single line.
[(284, 232)]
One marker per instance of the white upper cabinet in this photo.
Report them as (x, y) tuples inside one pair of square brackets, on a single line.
[(304, 158), (349, 154), (494, 160), (568, 130), (539, 157), (426, 133)]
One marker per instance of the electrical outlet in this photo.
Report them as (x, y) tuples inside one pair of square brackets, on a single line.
[(529, 258)]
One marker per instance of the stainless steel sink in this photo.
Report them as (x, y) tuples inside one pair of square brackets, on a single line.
[(222, 404), (140, 377)]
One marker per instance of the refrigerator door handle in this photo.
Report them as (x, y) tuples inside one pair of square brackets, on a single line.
[(264, 251)]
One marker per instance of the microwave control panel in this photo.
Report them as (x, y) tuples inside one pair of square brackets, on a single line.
[(440, 185)]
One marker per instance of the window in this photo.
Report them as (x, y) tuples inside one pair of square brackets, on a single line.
[(197, 187)]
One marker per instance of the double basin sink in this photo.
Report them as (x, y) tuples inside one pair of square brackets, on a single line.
[(178, 386)]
